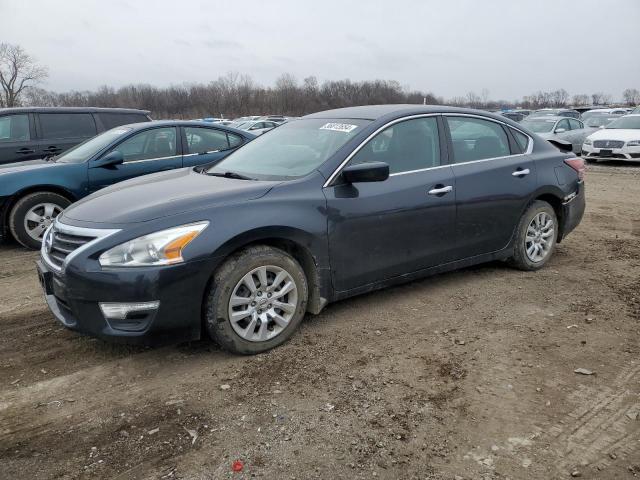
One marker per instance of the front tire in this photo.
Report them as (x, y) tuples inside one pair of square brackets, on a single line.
[(256, 301), (32, 214), (536, 237)]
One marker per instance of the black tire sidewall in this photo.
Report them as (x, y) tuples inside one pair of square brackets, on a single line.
[(224, 281), (520, 259), (20, 209)]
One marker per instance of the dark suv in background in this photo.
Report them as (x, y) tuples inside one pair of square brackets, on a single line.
[(34, 133)]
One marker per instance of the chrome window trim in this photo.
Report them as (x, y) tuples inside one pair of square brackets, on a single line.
[(202, 153), (151, 159), (529, 150), (99, 233)]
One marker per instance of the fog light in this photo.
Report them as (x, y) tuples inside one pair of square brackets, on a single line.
[(121, 311)]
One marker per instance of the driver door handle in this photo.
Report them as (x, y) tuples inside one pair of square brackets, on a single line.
[(440, 190), (521, 173)]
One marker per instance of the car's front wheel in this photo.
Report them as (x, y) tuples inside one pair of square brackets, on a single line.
[(536, 237), (256, 301), (32, 214)]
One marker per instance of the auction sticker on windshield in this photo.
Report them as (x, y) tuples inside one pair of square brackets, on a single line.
[(339, 127)]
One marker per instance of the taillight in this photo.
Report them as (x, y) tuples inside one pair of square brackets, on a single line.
[(578, 165)]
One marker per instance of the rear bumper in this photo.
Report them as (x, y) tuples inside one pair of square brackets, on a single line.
[(572, 211)]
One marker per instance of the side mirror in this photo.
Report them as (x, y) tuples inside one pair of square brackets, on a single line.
[(112, 158), (366, 172), (560, 130)]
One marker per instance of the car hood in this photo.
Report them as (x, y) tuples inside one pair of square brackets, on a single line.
[(27, 165), (162, 194), (616, 134)]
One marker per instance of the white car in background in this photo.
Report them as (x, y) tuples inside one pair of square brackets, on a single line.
[(620, 140), (257, 127), (605, 111)]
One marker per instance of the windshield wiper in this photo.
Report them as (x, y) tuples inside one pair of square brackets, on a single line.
[(229, 174)]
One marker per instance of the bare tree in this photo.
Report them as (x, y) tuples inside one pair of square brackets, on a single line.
[(631, 96), (601, 98), (18, 72), (580, 100)]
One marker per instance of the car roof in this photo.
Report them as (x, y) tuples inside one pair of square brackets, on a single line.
[(184, 123), (71, 110), (548, 117), (374, 112)]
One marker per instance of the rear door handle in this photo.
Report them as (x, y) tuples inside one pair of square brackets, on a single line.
[(440, 190), (25, 150), (521, 173)]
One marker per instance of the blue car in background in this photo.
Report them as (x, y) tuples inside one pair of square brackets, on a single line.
[(33, 193)]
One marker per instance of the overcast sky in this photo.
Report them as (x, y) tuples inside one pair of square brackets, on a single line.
[(449, 47)]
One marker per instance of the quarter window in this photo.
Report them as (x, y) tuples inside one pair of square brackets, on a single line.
[(563, 124), (477, 139), (67, 125), (521, 139), (234, 140), (202, 140), (575, 124), (155, 143), (404, 146), (14, 128)]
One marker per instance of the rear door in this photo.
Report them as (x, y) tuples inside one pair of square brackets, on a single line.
[(148, 151), (17, 134), (58, 132), (495, 178), (207, 145), (381, 230)]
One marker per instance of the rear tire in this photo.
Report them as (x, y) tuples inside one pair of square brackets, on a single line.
[(246, 310), (535, 237), (32, 214)]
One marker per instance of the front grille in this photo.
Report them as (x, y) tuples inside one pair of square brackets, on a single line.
[(62, 245), (608, 144)]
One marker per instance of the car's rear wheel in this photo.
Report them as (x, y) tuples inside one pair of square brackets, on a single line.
[(32, 214), (536, 237), (256, 301)]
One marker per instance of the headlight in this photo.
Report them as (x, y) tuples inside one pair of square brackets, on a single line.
[(159, 248), (588, 141), (633, 143)]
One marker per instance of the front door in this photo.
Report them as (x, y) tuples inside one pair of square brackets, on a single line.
[(381, 230), (149, 151)]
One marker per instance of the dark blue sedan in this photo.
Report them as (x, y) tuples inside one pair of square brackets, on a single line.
[(33, 193)]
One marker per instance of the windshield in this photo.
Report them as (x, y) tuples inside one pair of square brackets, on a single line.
[(85, 150), (290, 151), (631, 121), (539, 125), (600, 120)]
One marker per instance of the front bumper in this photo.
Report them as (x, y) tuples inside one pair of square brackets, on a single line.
[(73, 297), (625, 153)]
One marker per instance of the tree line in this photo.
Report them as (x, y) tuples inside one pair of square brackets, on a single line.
[(235, 95)]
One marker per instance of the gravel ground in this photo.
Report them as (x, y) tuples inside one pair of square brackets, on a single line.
[(463, 375)]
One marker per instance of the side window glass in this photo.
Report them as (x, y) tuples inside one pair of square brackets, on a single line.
[(521, 139), (575, 124), (67, 125), (563, 124), (14, 128), (111, 120), (155, 143), (405, 146), (201, 140), (477, 139), (234, 140)]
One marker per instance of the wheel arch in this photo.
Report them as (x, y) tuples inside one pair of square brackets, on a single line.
[(15, 198), (301, 245), (554, 198)]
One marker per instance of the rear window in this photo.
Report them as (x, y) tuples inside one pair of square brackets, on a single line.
[(67, 125), (110, 120)]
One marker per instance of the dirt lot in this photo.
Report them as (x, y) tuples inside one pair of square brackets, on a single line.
[(464, 375)]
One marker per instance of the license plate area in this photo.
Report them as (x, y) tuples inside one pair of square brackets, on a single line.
[(606, 153)]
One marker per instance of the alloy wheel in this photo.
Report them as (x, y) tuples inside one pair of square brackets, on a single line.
[(39, 217), (263, 303), (540, 237)]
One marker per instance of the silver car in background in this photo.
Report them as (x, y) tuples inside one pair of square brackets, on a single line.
[(559, 128)]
